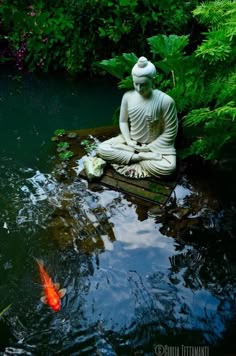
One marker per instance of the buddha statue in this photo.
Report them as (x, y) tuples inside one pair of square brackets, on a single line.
[(148, 127)]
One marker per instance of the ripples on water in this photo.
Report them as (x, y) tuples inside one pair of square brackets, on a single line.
[(129, 285)]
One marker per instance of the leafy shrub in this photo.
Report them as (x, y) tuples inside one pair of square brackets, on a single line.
[(37, 38), (75, 34), (215, 121)]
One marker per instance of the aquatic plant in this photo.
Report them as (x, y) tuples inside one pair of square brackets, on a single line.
[(59, 132), (62, 146), (65, 155), (88, 145), (4, 310)]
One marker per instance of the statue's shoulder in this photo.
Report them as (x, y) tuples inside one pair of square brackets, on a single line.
[(128, 93), (165, 99)]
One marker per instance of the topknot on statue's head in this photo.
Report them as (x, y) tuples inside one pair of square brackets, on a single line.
[(142, 62), (144, 68)]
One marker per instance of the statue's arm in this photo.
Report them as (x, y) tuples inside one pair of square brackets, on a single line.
[(170, 125), (124, 121)]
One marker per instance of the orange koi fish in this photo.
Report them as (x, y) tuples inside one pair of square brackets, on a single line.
[(52, 293)]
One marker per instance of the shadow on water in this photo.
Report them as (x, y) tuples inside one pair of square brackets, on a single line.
[(134, 280)]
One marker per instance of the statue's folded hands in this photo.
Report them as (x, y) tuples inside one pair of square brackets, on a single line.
[(142, 148)]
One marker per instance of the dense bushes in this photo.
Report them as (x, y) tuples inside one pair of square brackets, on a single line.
[(75, 34), (213, 114)]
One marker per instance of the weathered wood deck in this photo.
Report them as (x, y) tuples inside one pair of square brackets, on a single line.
[(153, 190)]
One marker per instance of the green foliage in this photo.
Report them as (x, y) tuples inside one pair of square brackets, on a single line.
[(217, 128), (120, 67), (211, 118), (216, 54), (219, 16), (168, 47), (37, 38), (74, 35)]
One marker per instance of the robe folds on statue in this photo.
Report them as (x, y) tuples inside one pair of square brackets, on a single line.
[(152, 122)]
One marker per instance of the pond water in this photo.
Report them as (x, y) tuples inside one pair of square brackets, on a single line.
[(139, 282)]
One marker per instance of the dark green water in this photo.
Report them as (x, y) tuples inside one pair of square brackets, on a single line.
[(134, 280), (32, 108)]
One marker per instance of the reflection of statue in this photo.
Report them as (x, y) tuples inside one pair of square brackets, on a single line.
[(148, 125)]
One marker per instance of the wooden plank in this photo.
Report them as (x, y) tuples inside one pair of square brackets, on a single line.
[(134, 190), (148, 189), (154, 186)]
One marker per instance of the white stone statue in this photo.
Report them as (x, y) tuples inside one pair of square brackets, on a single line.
[(148, 124)]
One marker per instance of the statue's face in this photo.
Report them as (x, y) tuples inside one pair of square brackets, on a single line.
[(143, 85)]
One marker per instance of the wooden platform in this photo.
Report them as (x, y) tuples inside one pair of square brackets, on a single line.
[(152, 190), (149, 189)]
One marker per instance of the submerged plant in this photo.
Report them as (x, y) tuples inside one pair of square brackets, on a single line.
[(88, 145), (4, 310)]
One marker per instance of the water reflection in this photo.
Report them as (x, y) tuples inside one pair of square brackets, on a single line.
[(130, 285), (134, 279)]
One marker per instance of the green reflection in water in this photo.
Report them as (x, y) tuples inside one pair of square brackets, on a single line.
[(33, 107)]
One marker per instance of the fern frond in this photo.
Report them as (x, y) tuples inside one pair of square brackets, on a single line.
[(227, 89), (208, 146), (211, 118), (228, 110), (197, 116), (215, 48), (219, 16), (215, 13)]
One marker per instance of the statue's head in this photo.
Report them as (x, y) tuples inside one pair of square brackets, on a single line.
[(143, 73)]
